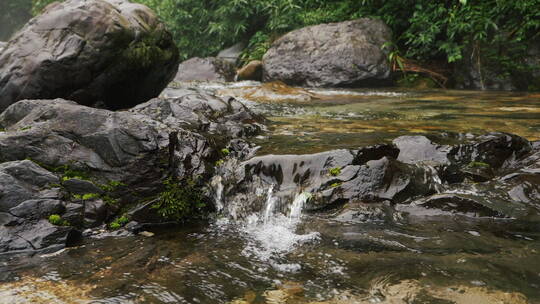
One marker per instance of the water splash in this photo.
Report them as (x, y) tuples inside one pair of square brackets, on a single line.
[(270, 233)]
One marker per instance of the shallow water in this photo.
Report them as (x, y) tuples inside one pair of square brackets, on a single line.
[(276, 256), (365, 117)]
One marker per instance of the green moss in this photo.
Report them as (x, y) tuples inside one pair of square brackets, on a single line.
[(335, 171), (475, 164), (111, 186), (57, 220), (225, 151), (179, 200), (89, 196), (220, 162), (119, 222), (146, 52), (25, 128), (335, 185)]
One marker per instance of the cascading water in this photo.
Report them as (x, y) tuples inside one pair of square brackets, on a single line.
[(271, 234)]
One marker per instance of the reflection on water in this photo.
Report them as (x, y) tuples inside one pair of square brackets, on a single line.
[(387, 256), (378, 261), (367, 117)]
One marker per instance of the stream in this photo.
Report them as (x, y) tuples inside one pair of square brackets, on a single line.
[(284, 254)]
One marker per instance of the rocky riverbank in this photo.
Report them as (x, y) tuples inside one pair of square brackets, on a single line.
[(191, 196)]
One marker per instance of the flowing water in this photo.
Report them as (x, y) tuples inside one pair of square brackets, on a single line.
[(280, 254)]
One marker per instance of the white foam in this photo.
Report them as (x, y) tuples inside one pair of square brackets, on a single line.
[(355, 93)]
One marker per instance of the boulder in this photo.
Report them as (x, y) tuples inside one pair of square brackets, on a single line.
[(21, 181), (331, 178), (478, 158), (40, 235), (2, 46), (492, 175), (28, 199), (251, 71), (97, 52), (201, 112), (205, 69), (233, 53), (80, 187), (120, 146), (331, 55)]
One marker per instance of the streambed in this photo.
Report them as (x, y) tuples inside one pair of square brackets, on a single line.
[(281, 255)]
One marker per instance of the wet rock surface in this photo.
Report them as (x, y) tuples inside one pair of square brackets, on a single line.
[(205, 69), (477, 177), (114, 54), (98, 161), (203, 112), (251, 71), (28, 198), (308, 56), (2, 46)]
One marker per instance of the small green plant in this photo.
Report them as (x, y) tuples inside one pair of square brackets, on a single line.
[(119, 222), (57, 220), (335, 185), (67, 172), (179, 200), (109, 200), (89, 196), (25, 128), (111, 186), (225, 151), (220, 162), (335, 171)]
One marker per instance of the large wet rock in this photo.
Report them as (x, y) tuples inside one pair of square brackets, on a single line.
[(21, 181), (331, 55), (90, 148), (205, 69), (478, 158), (201, 112), (330, 179), (95, 52), (120, 146), (493, 175), (29, 196)]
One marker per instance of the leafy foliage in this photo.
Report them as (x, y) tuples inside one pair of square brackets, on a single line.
[(423, 30), (119, 222), (335, 171), (179, 200), (57, 220)]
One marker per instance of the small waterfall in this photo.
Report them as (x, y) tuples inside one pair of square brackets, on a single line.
[(217, 184), (298, 205), (270, 232), (269, 205)]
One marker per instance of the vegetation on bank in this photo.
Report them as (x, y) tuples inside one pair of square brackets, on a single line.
[(440, 34), (180, 199), (424, 30)]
